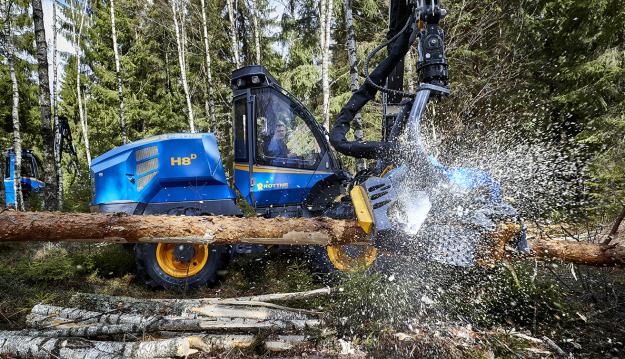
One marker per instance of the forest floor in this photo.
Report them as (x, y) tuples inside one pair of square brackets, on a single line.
[(415, 310)]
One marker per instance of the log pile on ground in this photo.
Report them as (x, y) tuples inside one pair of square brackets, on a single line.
[(98, 326)]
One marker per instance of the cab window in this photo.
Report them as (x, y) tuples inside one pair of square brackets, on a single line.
[(7, 167), (27, 169), (240, 130), (283, 137)]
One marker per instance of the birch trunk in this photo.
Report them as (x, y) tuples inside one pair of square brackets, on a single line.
[(18, 345), (17, 139), (74, 348), (181, 60), (254, 9), (234, 37), (47, 132), (209, 103), (77, 34), (47, 316), (353, 72), (58, 144), (106, 303), (326, 17), (118, 73)]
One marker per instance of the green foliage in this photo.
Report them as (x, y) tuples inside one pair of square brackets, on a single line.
[(58, 264), (505, 294)]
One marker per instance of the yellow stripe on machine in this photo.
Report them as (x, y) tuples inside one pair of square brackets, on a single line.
[(362, 207), (271, 169)]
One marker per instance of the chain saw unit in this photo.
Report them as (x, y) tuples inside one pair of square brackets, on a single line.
[(410, 202)]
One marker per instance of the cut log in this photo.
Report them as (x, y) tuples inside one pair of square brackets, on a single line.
[(48, 316), (89, 331), (42, 346), (106, 303), (230, 311), (579, 252), (121, 228), (45, 347)]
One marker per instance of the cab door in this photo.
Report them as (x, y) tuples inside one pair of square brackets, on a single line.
[(243, 137), (287, 154)]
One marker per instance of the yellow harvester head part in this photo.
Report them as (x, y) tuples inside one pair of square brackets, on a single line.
[(362, 207)]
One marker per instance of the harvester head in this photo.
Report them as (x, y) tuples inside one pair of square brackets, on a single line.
[(461, 220)]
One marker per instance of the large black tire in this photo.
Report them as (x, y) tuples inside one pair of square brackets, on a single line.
[(150, 271)]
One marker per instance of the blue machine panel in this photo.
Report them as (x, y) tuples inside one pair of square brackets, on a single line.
[(167, 168), (277, 186)]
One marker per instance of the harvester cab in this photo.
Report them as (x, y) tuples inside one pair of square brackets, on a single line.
[(29, 177), (283, 162)]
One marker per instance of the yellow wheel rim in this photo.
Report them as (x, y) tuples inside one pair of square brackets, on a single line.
[(175, 268), (351, 258)]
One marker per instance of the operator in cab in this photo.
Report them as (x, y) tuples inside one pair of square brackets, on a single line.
[(277, 146)]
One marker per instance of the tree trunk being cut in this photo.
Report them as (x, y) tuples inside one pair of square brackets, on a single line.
[(95, 228), (219, 230)]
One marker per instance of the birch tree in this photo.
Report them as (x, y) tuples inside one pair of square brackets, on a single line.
[(9, 52), (77, 12), (58, 150), (47, 132), (353, 73), (254, 11), (178, 10), (209, 102), (325, 25), (234, 37), (118, 72)]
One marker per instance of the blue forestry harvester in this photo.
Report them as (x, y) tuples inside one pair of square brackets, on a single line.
[(29, 173), (284, 165), (29, 176)]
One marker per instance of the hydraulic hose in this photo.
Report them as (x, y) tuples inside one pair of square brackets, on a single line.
[(366, 92)]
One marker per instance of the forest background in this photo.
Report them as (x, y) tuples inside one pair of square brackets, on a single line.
[(547, 74)]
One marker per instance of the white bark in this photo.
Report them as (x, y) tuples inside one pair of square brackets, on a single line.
[(118, 72), (70, 348), (77, 34), (180, 43), (325, 23), (58, 150), (105, 303), (260, 313), (353, 72), (17, 139), (41, 346), (234, 36), (209, 102), (254, 11), (46, 316)]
